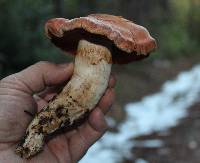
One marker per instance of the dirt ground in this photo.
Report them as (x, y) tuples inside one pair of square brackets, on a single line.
[(134, 81), (181, 143)]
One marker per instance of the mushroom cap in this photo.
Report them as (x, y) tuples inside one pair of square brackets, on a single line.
[(127, 40)]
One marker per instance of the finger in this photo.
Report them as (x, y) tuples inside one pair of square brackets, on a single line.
[(50, 92), (88, 134), (107, 100), (59, 147), (36, 77), (97, 120), (49, 96), (41, 103), (112, 81)]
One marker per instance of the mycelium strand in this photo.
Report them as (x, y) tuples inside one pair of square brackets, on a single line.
[(81, 94)]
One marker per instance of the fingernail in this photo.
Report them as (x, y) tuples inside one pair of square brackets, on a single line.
[(113, 81), (104, 125), (36, 97)]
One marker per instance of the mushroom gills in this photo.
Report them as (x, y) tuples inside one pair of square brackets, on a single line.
[(88, 83)]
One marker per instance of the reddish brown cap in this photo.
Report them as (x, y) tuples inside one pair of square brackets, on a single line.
[(128, 41)]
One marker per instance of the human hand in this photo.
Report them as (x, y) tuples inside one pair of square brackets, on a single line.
[(30, 90)]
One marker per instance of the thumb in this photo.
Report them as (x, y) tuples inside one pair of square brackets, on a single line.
[(42, 74)]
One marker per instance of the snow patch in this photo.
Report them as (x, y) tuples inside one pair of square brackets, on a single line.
[(156, 112)]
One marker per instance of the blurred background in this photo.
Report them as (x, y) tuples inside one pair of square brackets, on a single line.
[(155, 118)]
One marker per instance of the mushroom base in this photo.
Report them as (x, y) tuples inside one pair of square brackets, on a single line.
[(77, 99)]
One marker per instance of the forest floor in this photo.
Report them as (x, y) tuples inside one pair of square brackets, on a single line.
[(134, 81), (181, 143)]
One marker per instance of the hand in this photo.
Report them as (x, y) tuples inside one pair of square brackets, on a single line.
[(30, 90)]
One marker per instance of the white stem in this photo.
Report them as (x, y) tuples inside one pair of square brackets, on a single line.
[(81, 94)]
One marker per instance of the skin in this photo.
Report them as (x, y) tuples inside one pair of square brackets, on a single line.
[(30, 90)]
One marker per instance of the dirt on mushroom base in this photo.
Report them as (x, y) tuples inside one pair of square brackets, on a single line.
[(147, 80)]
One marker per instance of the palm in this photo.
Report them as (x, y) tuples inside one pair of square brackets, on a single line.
[(57, 150), (16, 96)]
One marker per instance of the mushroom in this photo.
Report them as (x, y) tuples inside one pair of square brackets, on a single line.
[(97, 41)]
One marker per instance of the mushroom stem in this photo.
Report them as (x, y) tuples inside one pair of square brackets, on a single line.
[(81, 94)]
